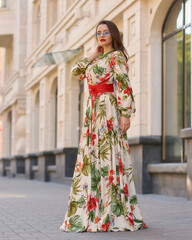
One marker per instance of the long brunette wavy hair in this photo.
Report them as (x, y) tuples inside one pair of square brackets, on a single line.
[(117, 43)]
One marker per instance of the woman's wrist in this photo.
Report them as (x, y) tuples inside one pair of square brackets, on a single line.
[(92, 57)]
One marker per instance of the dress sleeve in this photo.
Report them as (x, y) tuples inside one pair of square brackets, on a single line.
[(79, 68), (123, 88)]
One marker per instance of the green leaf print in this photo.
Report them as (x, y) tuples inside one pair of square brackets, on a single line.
[(104, 171), (92, 216), (138, 220), (101, 206), (115, 190), (117, 209), (72, 209), (79, 149), (104, 151), (122, 78), (106, 219), (81, 202), (76, 223), (75, 185), (86, 166), (117, 169), (98, 193), (113, 100), (102, 111), (133, 200), (124, 98), (88, 115), (98, 70), (95, 177)]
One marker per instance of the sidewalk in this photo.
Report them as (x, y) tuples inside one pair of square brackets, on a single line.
[(32, 210)]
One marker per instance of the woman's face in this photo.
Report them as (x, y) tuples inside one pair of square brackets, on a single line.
[(103, 35)]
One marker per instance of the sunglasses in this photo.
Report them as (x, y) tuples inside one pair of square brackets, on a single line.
[(105, 34)]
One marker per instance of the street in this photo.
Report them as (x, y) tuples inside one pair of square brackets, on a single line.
[(30, 209)]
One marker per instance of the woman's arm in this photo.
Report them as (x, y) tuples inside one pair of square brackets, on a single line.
[(124, 92), (78, 70)]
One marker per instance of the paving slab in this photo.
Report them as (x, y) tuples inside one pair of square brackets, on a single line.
[(30, 210)]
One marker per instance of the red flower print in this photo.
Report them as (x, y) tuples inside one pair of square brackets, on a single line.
[(128, 91), (119, 101), (128, 148), (105, 227), (93, 137), (126, 67), (92, 203), (105, 79), (144, 225), (121, 167), (87, 133), (112, 63), (111, 180), (88, 79), (81, 77), (130, 217), (126, 190), (110, 125), (132, 208), (118, 179), (111, 177), (67, 225), (97, 219)]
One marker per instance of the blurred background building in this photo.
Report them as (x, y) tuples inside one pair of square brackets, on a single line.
[(42, 107)]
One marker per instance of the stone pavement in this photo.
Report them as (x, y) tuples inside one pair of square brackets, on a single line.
[(32, 210)]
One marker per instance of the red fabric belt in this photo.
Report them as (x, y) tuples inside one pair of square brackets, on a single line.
[(95, 91)]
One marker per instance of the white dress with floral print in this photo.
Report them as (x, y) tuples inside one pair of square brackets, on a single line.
[(102, 195)]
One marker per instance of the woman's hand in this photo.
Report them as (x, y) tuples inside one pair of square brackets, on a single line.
[(125, 124), (98, 51)]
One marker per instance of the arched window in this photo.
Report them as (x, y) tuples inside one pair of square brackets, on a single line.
[(176, 42), (36, 124), (9, 133), (53, 114), (52, 13), (36, 23)]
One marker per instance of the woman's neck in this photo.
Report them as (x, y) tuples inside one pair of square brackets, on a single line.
[(107, 49)]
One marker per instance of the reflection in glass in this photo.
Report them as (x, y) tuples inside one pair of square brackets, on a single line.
[(188, 76), (175, 19), (53, 58), (187, 12), (176, 79), (173, 96)]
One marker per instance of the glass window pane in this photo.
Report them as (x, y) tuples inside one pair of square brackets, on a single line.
[(188, 12), (188, 76), (175, 19), (173, 97)]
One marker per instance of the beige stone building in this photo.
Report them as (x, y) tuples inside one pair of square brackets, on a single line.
[(0, 115), (42, 107)]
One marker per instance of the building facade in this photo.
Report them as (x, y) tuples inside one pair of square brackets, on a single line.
[(42, 107)]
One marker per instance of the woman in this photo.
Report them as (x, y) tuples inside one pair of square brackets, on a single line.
[(102, 195)]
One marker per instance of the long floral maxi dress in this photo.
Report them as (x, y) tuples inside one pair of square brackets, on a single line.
[(102, 195)]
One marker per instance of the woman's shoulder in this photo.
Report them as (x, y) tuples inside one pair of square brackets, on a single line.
[(118, 54)]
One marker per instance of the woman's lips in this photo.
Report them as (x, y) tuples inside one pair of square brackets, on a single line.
[(102, 40)]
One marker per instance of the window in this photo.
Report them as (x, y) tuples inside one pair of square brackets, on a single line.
[(9, 133), (176, 46), (3, 3)]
